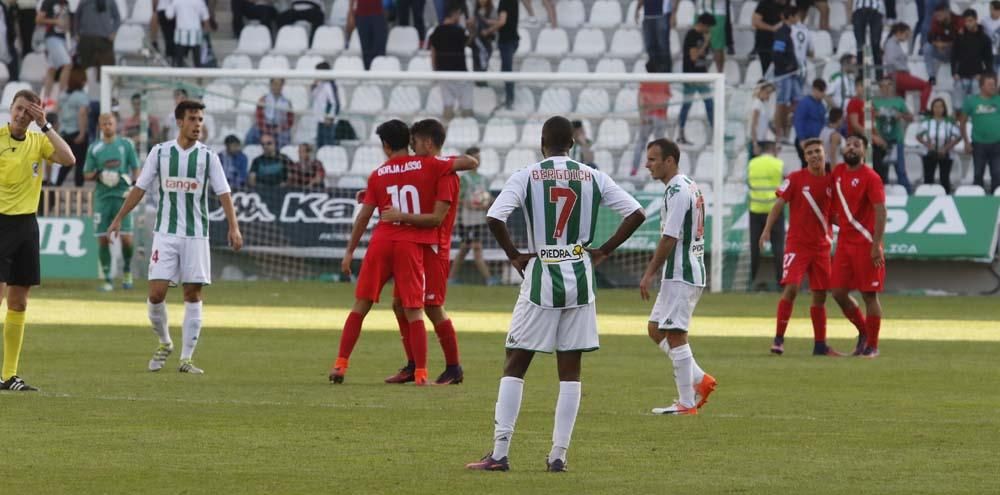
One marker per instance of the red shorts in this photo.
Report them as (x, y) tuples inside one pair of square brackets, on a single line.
[(436, 271), (853, 269), (799, 262), (401, 260)]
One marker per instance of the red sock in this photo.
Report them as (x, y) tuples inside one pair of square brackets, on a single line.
[(874, 325), (449, 342), (855, 317), (404, 334), (784, 314), (818, 315), (418, 343), (349, 337)]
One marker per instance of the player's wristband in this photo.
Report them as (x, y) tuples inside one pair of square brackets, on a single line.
[(47, 127)]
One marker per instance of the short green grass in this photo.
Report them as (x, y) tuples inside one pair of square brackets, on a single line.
[(923, 418)]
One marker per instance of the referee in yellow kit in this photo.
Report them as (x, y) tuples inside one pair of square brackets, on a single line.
[(21, 154)]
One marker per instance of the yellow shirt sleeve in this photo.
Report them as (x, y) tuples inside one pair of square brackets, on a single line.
[(46, 149)]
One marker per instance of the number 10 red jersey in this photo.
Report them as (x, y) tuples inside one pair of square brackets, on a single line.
[(411, 184)]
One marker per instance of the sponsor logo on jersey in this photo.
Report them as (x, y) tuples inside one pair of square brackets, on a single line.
[(561, 174), (561, 254), (397, 168), (180, 184)]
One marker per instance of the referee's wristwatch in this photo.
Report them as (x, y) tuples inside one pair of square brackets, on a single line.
[(47, 127)]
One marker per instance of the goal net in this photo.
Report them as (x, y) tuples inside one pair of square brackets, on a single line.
[(296, 223)]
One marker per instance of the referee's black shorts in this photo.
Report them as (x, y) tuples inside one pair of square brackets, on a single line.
[(20, 263)]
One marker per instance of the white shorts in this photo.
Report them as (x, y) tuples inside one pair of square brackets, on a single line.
[(180, 260), (674, 305), (57, 52), (534, 328), (456, 93)]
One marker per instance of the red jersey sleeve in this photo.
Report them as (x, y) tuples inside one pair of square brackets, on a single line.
[(447, 188), (370, 198), (442, 165), (788, 188), (876, 191)]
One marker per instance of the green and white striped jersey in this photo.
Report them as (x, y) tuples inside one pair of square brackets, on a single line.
[(182, 177), (682, 217), (560, 200)]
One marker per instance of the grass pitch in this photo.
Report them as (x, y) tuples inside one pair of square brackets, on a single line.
[(923, 418)]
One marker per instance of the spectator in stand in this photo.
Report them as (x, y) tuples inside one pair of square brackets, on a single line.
[(160, 22), (170, 131), (867, 17), (658, 16), (822, 6), (368, 17), (191, 22), (55, 16), (550, 10), (234, 162), (786, 72), (840, 88), (310, 11), (939, 135), (891, 115), (984, 111), (697, 43), (25, 11), (717, 9), (507, 41), (74, 109), (403, 10), (654, 98), (484, 18), (447, 44), (474, 201), (766, 21), (262, 11), (856, 124), (831, 137), (307, 172), (325, 107), (810, 117), (581, 150), (972, 56), (991, 25), (131, 127), (943, 28), (271, 167), (274, 116), (762, 118), (897, 66), (95, 23)]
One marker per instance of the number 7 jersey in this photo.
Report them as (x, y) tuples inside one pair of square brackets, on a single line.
[(560, 199)]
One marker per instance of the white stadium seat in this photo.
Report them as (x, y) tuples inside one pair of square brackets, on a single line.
[(745, 19), (419, 64), (572, 65), (570, 13), (847, 43), (463, 132), (334, 159), (352, 182), (970, 190), (489, 162), (254, 40), (386, 63), (519, 158), (353, 44), (274, 62), (10, 90), (435, 103), (249, 96), (129, 39), (500, 132), (403, 41), (685, 14), (291, 151), (237, 61), (627, 43), (535, 64), (589, 43), (531, 134), (298, 95), (484, 101), (895, 190), (308, 62), (219, 97), (33, 67), (348, 63), (524, 45), (930, 190), (555, 101), (593, 102), (366, 99), (605, 14), (252, 151), (338, 12), (142, 12), (630, 13), (610, 66), (627, 101), (822, 44), (613, 133), (553, 42), (327, 40), (405, 100), (291, 40), (524, 102), (366, 159)]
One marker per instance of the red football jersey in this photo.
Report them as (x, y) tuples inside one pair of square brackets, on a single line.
[(410, 184), (808, 197), (451, 185), (855, 192)]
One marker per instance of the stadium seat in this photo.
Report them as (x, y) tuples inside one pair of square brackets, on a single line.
[(685, 14), (435, 103), (352, 182), (743, 41), (366, 159), (605, 14), (237, 61), (122, 9), (930, 190), (33, 67), (613, 133), (489, 162), (484, 101), (630, 13), (524, 103), (535, 64), (291, 151), (299, 97), (610, 66), (571, 13), (704, 169), (386, 63), (129, 39), (847, 43), (249, 96), (572, 65), (822, 44), (895, 190), (334, 158), (274, 62), (500, 132), (734, 193), (338, 12), (970, 190), (627, 101), (4, 77), (732, 71), (328, 41), (745, 19), (555, 101), (463, 132), (346, 63), (524, 45), (627, 43), (419, 64), (403, 41), (405, 100), (531, 134), (552, 42), (593, 102), (254, 40), (308, 62), (142, 12), (519, 158), (366, 100), (252, 151), (589, 43), (353, 44), (291, 40), (604, 160), (219, 97)]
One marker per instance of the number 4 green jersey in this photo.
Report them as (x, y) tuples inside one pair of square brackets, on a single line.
[(560, 200)]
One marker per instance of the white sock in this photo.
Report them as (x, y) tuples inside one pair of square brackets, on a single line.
[(158, 318), (566, 409), (696, 372), (682, 358), (508, 406), (192, 328)]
